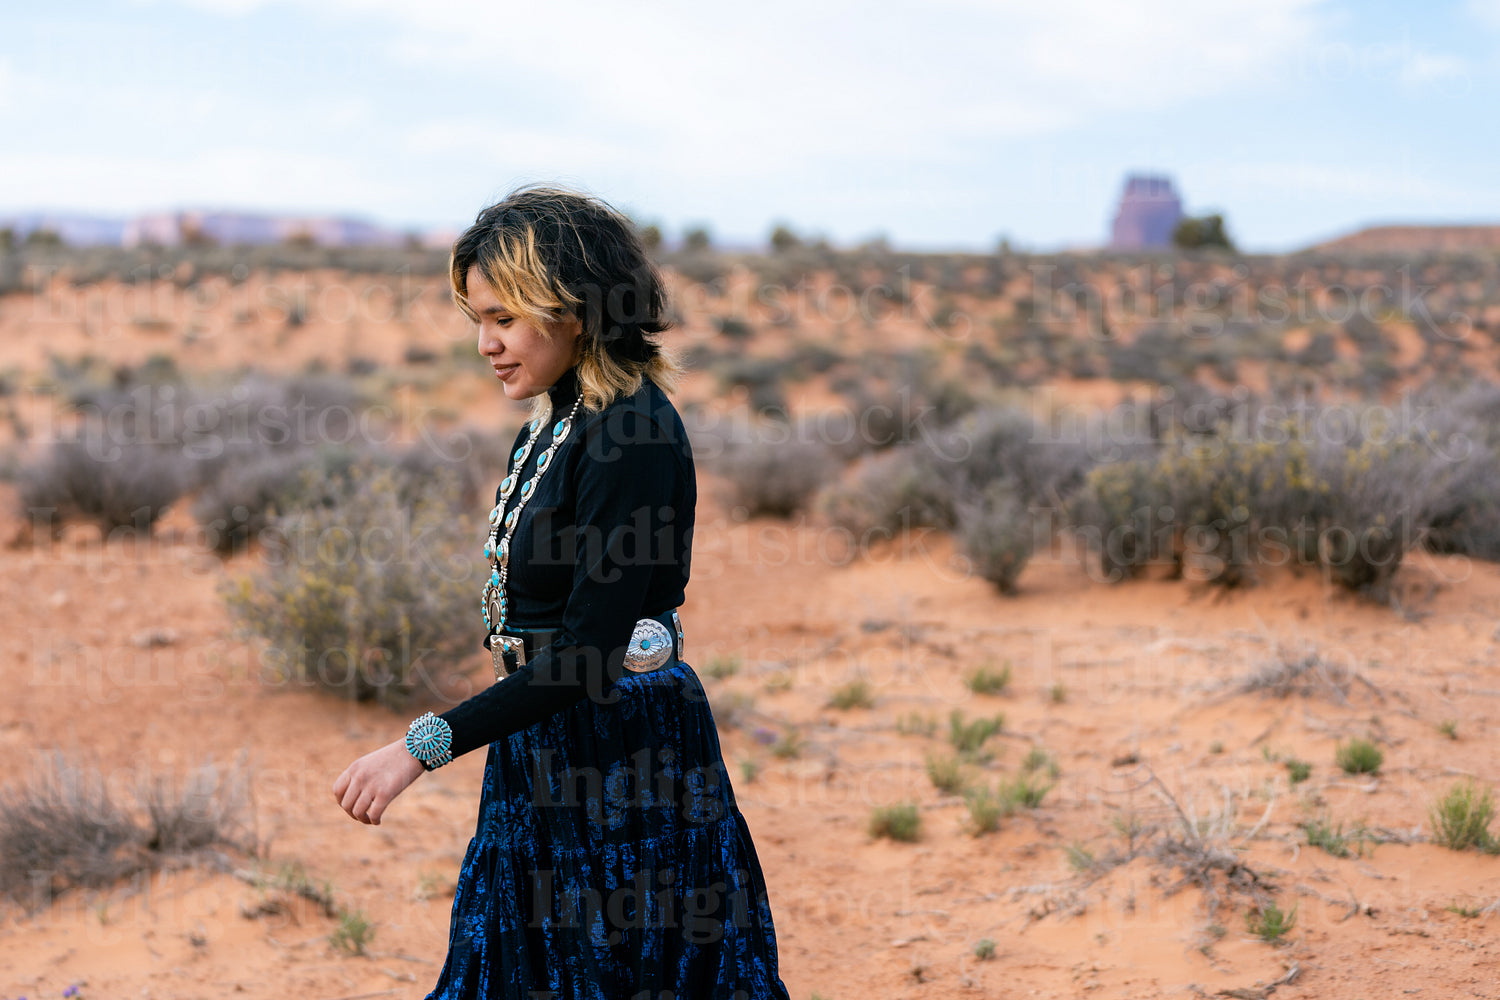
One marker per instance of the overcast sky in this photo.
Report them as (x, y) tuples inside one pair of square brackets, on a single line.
[(940, 124)]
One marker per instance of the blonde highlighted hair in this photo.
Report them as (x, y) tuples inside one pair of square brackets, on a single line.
[(549, 253)]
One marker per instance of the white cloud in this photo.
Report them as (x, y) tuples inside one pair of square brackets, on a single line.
[(789, 85), (1316, 182), (1487, 11), (1429, 67), (222, 177)]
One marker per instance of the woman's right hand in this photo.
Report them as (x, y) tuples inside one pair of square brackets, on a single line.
[(369, 784)]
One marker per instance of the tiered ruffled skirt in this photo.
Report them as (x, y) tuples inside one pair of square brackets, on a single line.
[(610, 861)]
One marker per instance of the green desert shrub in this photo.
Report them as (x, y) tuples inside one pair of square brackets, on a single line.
[(855, 694), (1321, 832), (995, 533), (1025, 790), (1461, 817), (112, 485), (1465, 515), (246, 497), (1118, 513), (773, 477), (364, 595), (1001, 445), (353, 933), (888, 493), (1380, 495), (1038, 760), (986, 680), (899, 822), (969, 737), (986, 808), (1359, 756), (946, 774), (1222, 502), (1270, 923)]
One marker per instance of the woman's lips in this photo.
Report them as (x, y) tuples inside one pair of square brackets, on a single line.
[(504, 372)]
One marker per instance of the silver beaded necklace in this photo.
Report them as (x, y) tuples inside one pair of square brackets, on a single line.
[(496, 549)]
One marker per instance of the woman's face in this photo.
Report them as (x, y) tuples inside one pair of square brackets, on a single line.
[(525, 360)]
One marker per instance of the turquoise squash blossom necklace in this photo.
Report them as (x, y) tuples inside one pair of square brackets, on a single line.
[(496, 548)]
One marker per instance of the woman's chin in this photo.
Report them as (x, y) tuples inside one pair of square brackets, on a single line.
[(517, 392)]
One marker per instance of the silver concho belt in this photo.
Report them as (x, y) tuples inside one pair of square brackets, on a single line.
[(651, 646)]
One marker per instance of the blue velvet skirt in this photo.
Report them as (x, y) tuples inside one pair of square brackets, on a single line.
[(610, 861)]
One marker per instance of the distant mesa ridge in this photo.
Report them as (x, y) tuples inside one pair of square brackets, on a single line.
[(1408, 239), (1149, 211), (221, 227)]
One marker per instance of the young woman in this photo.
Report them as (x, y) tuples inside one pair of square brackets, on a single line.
[(610, 861)]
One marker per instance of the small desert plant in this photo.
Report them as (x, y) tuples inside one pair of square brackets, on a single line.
[(1024, 791), (968, 738), (1461, 818), (731, 707), (916, 724), (986, 808), (1058, 693), (722, 667), (1321, 833), (984, 950), (855, 694), (946, 774), (1080, 858), (1297, 771), (749, 769), (1300, 670), (353, 933), (1271, 922), (1359, 756), (431, 885), (1449, 728), (899, 822), (1037, 759), (789, 744), (779, 681), (292, 878), (986, 680)]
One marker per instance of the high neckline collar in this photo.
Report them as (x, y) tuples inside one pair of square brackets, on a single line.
[(565, 390)]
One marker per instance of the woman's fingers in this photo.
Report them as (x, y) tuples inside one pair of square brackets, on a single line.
[(341, 783), (377, 806), (351, 796), (362, 807)]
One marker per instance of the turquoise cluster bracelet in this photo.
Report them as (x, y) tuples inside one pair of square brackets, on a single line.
[(430, 740)]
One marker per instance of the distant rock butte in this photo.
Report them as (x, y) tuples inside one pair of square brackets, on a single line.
[(1416, 239), (1149, 210)]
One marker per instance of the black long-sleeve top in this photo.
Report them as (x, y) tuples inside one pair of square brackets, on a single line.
[(605, 541)]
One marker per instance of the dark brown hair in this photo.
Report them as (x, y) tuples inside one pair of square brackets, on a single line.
[(549, 253)]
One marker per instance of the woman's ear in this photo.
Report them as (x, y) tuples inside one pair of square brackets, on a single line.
[(570, 328)]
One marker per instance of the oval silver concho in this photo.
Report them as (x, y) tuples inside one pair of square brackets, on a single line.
[(650, 646)]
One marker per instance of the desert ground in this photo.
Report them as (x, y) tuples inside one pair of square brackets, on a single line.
[(1129, 700)]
